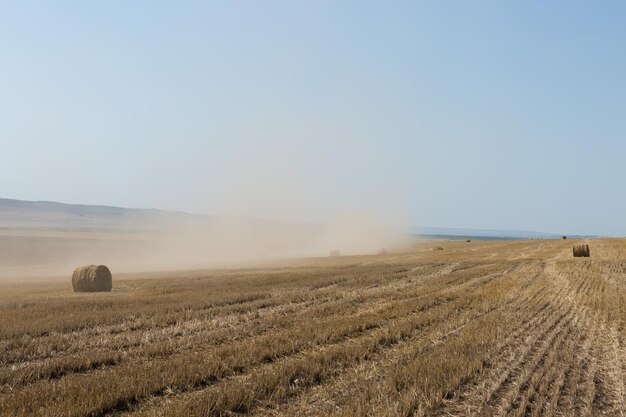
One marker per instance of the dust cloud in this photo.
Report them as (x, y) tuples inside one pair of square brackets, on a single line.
[(273, 201), (206, 242)]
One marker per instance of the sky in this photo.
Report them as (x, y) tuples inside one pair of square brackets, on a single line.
[(486, 114)]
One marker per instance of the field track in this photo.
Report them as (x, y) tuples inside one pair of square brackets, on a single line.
[(508, 328)]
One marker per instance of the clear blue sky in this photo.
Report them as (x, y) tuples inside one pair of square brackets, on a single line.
[(503, 115)]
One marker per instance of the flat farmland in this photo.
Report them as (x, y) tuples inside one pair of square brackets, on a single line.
[(500, 328)]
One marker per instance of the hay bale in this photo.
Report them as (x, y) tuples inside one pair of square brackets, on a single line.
[(92, 278), (581, 251), (335, 252), (382, 251)]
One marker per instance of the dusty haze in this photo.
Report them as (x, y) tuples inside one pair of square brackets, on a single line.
[(273, 200), (38, 241)]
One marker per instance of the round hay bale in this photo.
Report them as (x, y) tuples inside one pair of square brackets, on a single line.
[(92, 278), (581, 251), (335, 252)]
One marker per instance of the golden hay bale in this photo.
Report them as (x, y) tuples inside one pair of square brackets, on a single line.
[(92, 278), (581, 251), (335, 252)]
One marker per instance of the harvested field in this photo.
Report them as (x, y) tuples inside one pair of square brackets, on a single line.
[(509, 328)]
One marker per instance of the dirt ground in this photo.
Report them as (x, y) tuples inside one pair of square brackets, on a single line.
[(486, 328)]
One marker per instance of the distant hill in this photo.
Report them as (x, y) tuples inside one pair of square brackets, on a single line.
[(51, 216)]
